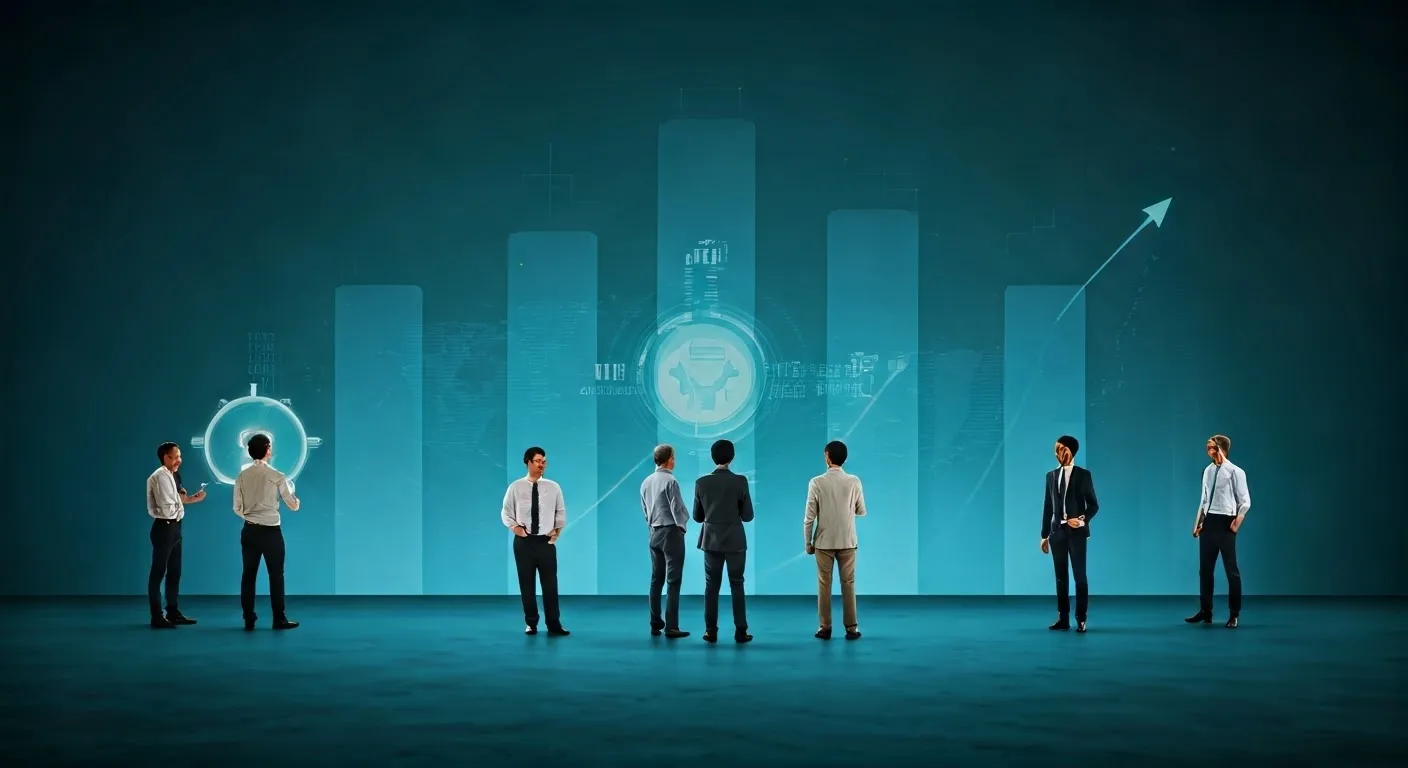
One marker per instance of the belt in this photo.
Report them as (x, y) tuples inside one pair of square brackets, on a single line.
[(261, 525), (165, 520)]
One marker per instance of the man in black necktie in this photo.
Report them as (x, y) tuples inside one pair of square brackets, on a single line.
[(1065, 529), (533, 509)]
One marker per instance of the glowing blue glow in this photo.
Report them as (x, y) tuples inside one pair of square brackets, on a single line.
[(225, 438)]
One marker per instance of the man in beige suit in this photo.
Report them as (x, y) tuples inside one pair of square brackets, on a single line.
[(834, 501)]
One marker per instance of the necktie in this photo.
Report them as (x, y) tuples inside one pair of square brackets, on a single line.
[(1213, 489), (535, 509)]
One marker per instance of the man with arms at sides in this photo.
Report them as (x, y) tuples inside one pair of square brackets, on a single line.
[(166, 504), (666, 516), (1224, 505), (258, 490), (534, 511), (722, 505), (834, 501), (1065, 529)]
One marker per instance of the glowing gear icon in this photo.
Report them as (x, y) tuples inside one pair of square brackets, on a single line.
[(224, 441)]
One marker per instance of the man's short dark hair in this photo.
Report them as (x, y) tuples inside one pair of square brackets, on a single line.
[(258, 445), (1223, 442), (663, 454), (722, 452), (164, 450), (533, 453), (1072, 444), (836, 452)]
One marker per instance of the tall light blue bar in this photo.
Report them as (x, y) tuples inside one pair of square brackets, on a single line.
[(707, 270), (1043, 398), (552, 338), (378, 420), (872, 392)]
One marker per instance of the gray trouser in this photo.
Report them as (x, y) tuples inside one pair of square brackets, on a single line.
[(666, 570)]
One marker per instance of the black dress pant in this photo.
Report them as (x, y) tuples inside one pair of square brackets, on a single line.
[(666, 572), (262, 542), (166, 564), (1068, 549), (1218, 538), (714, 563), (536, 557)]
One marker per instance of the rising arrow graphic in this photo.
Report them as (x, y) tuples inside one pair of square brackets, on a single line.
[(1154, 214)]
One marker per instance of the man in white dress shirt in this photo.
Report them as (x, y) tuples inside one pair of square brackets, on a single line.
[(1225, 501), (534, 511), (166, 504), (834, 501), (258, 490)]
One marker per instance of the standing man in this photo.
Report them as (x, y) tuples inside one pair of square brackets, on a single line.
[(666, 516), (166, 504), (834, 501), (1224, 505), (722, 505), (258, 490), (534, 511), (1065, 529)]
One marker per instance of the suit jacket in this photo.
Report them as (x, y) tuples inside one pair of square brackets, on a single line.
[(834, 501), (721, 507), (1080, 500)]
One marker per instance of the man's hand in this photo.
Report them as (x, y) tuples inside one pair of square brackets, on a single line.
[(1236, 523), (519, 530), (1074, 522), (1197, 529), (1045, 547), (200, 496), (552, 537), (811, 550)]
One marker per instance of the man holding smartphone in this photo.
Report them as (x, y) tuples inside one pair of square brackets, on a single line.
[(1225, 501), (166, 504)]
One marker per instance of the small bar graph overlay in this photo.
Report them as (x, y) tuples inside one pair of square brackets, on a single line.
[(552, 353), (871, 383), (378, 412), (1043, 398)]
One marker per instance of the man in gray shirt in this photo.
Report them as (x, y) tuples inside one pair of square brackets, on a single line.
[(834, 501), (666, 516), (258, 490)]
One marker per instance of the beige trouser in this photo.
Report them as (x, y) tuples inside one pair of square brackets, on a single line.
[(846, 559)]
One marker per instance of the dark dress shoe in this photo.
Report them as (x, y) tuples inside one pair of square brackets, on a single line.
[(176, 618), (161, 622), (249, 625), (711, 637), (675, 634), (853, 633), (557, 632), (1080, 626), (1199, 618), (656, 631), (1232, 623), (742, 637), (1061, 625), (285, 624), (823, 634), (530, 630)]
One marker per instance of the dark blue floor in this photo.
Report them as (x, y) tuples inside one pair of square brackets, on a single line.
[(963, 681)]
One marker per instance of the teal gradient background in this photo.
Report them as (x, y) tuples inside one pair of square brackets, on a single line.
[(446, 218)]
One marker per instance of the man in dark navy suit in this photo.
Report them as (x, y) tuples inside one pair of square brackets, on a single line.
[(721, 506), (1065, 529)]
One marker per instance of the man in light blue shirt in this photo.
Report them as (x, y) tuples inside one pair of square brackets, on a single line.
[(1225, 501), (665, 514)]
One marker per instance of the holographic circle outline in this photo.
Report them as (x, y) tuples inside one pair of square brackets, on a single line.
[(741, 423), (287, 411)]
